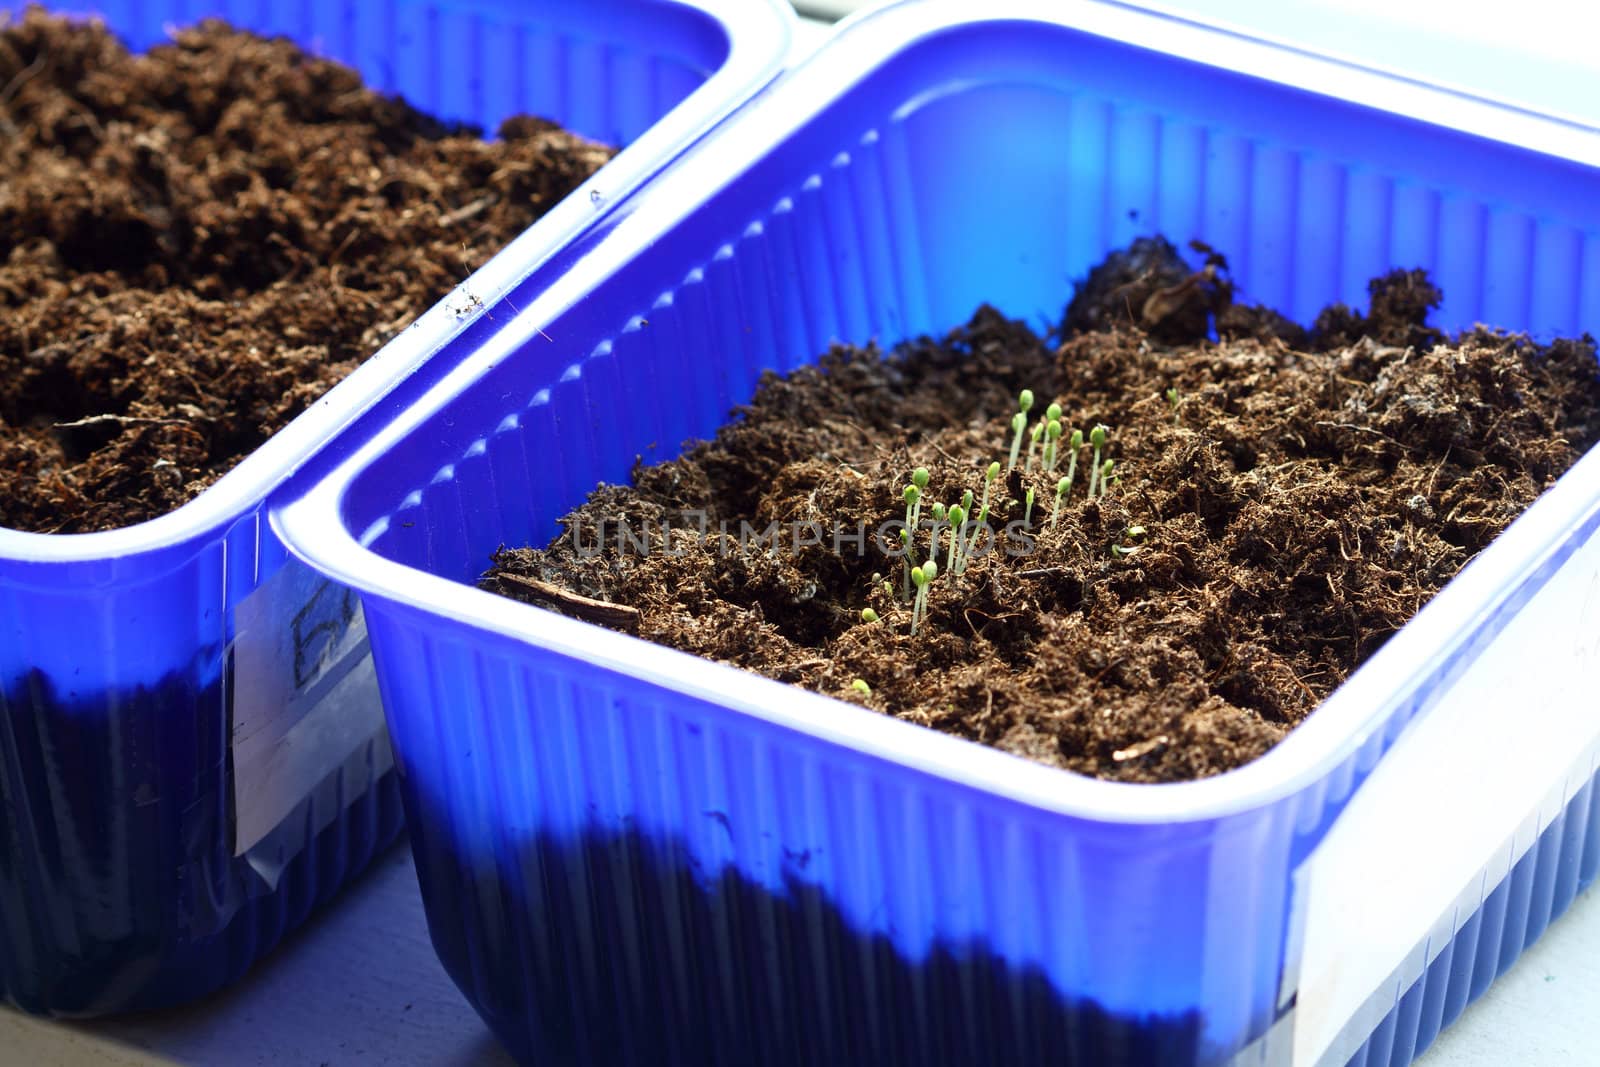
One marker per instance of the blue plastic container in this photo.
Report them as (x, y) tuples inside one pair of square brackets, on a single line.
[(630, 855), (191, 748)]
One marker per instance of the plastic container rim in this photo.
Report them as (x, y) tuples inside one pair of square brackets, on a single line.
[(1527, 551), (760, 38)]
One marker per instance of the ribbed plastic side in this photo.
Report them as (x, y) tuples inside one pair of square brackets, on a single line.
[(120, 890), (861, 228), (1539, 889), (616, 875), (479, 61), (119, 887), (617, 872), (119, 884)]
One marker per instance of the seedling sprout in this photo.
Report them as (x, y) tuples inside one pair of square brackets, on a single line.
[(1019, 422), (1053, 446), (921, 577), (1097, 439), (1074, 446), (958, 518)]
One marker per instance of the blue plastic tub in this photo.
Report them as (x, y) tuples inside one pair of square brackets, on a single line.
[(630, 855), (191, 748)]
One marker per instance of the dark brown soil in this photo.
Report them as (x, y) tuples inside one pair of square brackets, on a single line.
[(198, 242), (1269, 526)]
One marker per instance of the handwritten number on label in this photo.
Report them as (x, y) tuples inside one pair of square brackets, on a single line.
[(318, 628)]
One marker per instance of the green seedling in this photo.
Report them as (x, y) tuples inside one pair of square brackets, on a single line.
[(990, 476), (1132, 533), (958, 518), (1061, 491), (919, 479), (905, 565), (1097, 439), (913, 498), (1105, 476), (1053, 446), (1074, 446), (868, 615), (860, 685), (912, 495), (1019, 422), (1027, 515), (921, 576), (1040, 431)]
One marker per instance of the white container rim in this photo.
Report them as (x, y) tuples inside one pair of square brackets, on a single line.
[(1521, 558)]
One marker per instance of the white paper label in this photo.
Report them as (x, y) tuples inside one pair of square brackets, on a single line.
[(1461, 797), (305, 702)]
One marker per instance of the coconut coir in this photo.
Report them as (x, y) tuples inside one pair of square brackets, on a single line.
[(198, 242), (1282, 501)]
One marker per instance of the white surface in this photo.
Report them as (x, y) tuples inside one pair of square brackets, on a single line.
[(1538, 54), (1539, 1013)]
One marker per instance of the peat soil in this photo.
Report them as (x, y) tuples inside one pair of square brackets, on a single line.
[(1283, 500), (198, 242)]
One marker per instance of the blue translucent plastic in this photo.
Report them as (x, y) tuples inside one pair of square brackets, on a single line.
[(119, 888), (629, 855)]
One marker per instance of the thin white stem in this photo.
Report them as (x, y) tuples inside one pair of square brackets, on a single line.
[(983, 516), (977, 530)]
